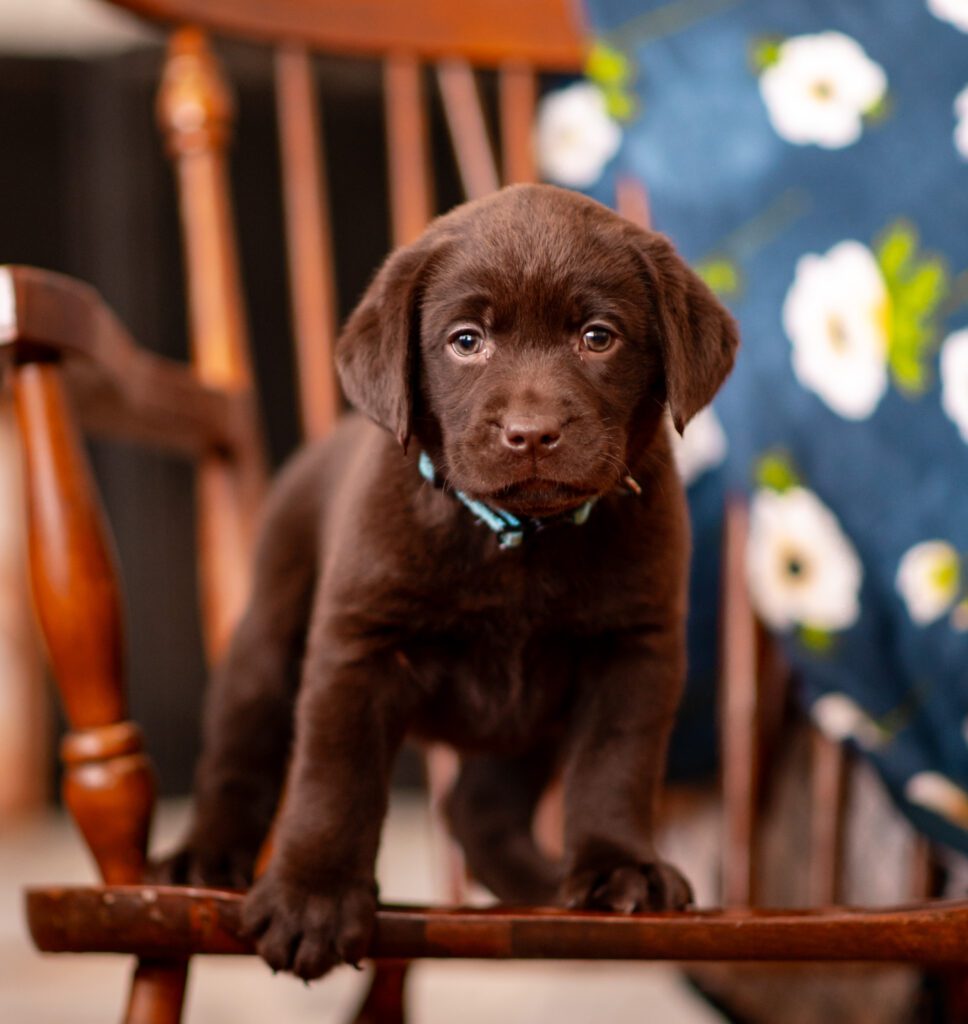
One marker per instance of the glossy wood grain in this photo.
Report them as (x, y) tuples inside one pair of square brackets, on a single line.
[(408, 147), (25, 722), (828, 810), (108, 783), (312, 282), (517, 100), (468, 128), (72, 561), (542, 32), (195, 111), (739, 717), (117, 388), (147, 920)]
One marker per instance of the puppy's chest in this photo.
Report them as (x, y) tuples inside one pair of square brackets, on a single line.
[(492, 683), (490, 650)]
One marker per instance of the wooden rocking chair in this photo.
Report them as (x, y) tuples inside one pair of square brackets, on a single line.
[(57, 338)]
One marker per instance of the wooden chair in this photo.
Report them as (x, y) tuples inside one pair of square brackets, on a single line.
[(70, 364)]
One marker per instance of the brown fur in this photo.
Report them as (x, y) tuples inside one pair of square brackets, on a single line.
[(381, 608)]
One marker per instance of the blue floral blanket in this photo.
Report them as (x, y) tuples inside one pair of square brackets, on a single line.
[(810, 159)]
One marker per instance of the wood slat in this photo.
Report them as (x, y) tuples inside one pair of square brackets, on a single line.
[(632, 202), (108, 784), (739, 715), (407, 147), (152, 920), (468, 128), (517, 98), (117, 388), (828, 805), (544, 33), (195, 113), (308, 236), (25, 723)]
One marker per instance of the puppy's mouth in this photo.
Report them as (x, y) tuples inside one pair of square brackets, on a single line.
[(539, 498)]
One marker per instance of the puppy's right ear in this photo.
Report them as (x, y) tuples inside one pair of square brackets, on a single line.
[(376, 354)]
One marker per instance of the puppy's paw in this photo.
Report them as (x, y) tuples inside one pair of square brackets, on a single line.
[(308, 931), (627, 888), (205, 864)]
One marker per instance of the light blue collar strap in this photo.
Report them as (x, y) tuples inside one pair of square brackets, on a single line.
[(510, 530)]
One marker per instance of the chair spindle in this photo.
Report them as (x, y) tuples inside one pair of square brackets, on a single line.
[(517, 96), (468, 128), (195, 112), (739, 717), (308, 237), (109, 785), (828, 797), (407, 147)]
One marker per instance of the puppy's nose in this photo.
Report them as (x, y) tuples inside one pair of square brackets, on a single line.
[(528, 435)]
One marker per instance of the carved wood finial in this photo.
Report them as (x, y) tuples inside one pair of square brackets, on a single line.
[(195, 106)]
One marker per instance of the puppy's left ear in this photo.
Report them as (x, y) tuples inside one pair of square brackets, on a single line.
[(376, 353), (699, 336)]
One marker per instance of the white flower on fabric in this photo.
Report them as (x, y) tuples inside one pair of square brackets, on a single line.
[(702, 445), (836, 315), (953, 11), (839, 718), (928, 579), (819, 88), (954, 380), (575, 136), (802, 569), (936, 792)]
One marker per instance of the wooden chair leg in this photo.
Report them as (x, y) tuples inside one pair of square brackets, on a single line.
[(739, 717), (384, 1002), (109, 786)]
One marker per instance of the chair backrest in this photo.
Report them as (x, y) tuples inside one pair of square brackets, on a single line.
[(196, 115)]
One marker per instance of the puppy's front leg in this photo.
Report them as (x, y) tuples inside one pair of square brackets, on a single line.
[(630, 690), (316, 903)]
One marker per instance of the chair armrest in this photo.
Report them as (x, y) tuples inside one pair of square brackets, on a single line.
[(118, 389)]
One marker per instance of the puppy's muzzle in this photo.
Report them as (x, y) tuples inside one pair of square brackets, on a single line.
[(531, 436)]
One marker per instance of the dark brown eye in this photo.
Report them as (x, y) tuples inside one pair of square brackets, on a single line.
[(467, 343), (597, 339)]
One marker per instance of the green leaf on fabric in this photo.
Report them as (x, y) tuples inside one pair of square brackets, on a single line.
[(721, 274), (607, 66), (916, 286), (765, 52), (775, 472), (620, 105), (895, 249), (881, 110), (612, 71), (817, 640)]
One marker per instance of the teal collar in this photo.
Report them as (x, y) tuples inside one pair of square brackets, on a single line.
[(511, 531)]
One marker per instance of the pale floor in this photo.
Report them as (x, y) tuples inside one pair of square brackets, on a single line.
[(35, 989)]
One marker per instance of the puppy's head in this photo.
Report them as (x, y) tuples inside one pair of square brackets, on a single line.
[(530, 342)]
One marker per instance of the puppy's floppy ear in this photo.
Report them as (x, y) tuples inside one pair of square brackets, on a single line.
[(699, 336), (376, 352)]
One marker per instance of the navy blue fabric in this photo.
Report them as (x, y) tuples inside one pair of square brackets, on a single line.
[(730, 190)]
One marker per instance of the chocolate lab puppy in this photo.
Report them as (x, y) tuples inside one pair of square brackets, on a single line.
[(493, 555)]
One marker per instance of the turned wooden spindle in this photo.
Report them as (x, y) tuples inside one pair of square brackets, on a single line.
[(195, 112), (108, 782), (108, 786), (312, 281)]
